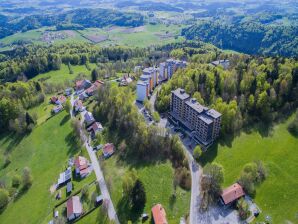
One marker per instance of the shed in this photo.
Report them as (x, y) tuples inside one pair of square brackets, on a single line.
[(69, 187)]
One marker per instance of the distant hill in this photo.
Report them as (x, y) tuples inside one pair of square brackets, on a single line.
[(248, 37), (83, 18)]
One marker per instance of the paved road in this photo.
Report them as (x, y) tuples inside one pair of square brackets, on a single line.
[(98, 172)]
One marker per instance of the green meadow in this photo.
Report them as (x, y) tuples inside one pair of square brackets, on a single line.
[(158, 182), (278, 149), (46, 152)]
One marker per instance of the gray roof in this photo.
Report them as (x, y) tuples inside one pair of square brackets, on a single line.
[(145, 77), (69, 187), (205, 119), (142, 83), (149, 70), (213, 113), (181, 94), (196, 106)]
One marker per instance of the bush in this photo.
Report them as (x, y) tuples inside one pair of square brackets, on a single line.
[(85, 192), (197, 152), (4, 198), (293, 126), (156, 116), (27, 178), (16, 181), (243, 209), (183, 178)]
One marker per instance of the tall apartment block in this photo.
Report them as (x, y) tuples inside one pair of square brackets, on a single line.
[(202, 123)]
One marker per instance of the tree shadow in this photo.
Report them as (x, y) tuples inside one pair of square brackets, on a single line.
[(125, 213), (209, 155), (13, 140), (21, 192), (172, 201), (64, 120), (73, 144)]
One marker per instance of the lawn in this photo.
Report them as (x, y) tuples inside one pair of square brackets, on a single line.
[(45, 151), (62, 75), (277, 196), (158, 183)]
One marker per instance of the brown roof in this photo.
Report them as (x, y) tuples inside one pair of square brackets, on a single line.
[(232, 193), (94, 86), (74, 206), (108, 148), (54, 99), (159, 214), (81, 162), (95, 126)]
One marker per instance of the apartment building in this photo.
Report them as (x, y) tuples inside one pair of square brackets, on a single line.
[(172, 66), (143, 90), (202, 123)]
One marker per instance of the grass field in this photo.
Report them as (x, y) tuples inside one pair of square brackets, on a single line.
[(62, 75), (45, 151), (158, 183), (278, 195)]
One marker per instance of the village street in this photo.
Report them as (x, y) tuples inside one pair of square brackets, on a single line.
[(98, 172)]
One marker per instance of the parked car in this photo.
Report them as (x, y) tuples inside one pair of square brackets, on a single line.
[(96, 148)]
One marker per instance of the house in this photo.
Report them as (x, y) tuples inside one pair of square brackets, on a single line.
[(95, 86), (88, 118), (108, 150), (82, 84), (68, 91), (231, 194), (159, 214), (81, 166), (74, 208), (78, 106), (53, 99), (64, 177), (94, 128), (83, 96), (57, 109), (61, 99)]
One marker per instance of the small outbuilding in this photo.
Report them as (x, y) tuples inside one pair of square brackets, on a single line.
[(68, 188)]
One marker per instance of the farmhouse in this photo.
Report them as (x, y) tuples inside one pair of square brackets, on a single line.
[(159, 214), (82, 166), (74, 208), (57, 109), (95, 128), (95, 86), (108, 150), (89, 119), (78, 106), (231, 194), (82, 84)]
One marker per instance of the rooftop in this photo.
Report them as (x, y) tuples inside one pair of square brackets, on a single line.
[(213, 113), (196, 106), (159, 214), (74, 206), (206, 119), (232, 193), (181, 94)]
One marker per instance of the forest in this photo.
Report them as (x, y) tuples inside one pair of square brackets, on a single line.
[(251, 37), (78, 18), (252, 90)]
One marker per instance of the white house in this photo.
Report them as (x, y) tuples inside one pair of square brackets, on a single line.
[(74, 208)]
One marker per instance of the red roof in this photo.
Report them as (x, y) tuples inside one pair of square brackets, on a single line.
[(54, 99), (79, 83), (81, 162), (62, 99), (159, 214), (232, 193), (94, 86), (84, 171), (108, 148), (95, 126), (74, 206)]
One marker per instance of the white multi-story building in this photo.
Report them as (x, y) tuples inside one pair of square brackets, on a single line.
[(142, 90)]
